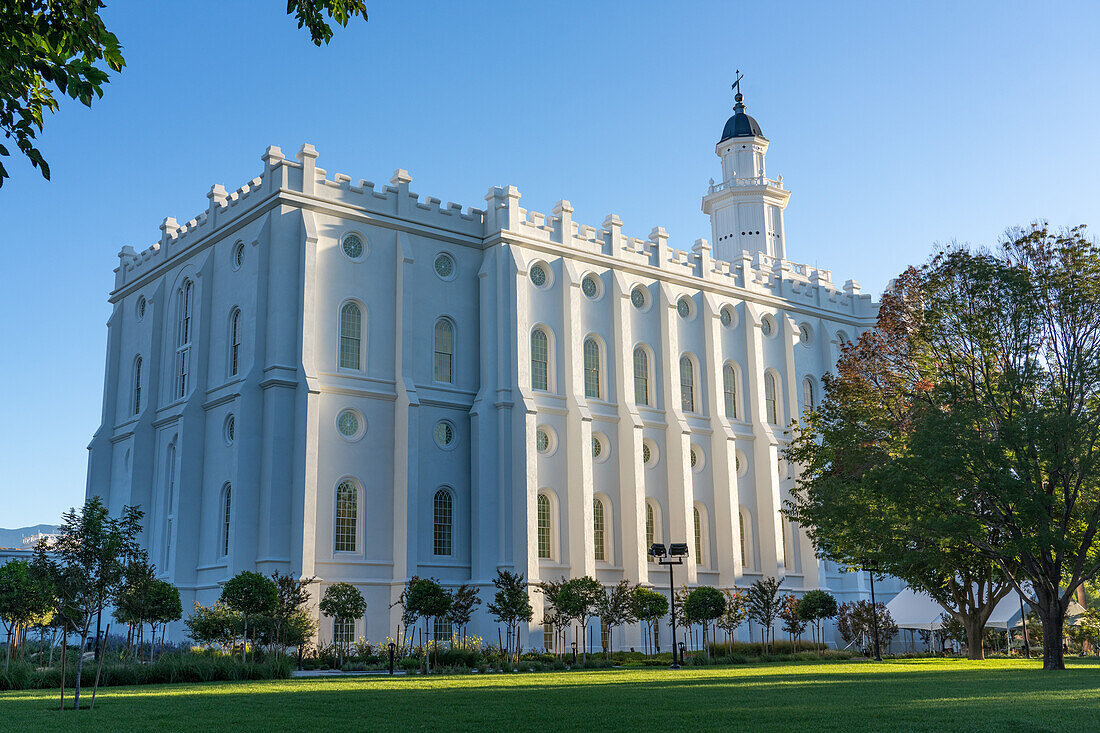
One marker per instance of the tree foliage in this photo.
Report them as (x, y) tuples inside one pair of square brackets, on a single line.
[(703, 605), (856, 622), (763, 605), (579, 599), (814, 608), (510, 605), (616, 609), (250, 594)]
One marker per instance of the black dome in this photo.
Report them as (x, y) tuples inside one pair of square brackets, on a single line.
[(741, 125)]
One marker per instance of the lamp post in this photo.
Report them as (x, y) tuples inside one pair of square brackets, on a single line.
[(1023, 624), (665, 556), (874, 610)]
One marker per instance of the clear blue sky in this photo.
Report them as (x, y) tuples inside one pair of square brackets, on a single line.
[(895, 125)]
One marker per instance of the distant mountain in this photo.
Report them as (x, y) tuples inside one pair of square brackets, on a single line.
[(14, 537)]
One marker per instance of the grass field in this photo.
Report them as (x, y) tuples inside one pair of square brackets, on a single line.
[(996, 695)]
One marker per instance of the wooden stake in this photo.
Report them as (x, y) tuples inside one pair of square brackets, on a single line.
[(64, 649), (99, 667)]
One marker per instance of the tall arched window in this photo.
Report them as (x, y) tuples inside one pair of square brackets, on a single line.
[(687, 384), (137, 385), (807, 394), (641, 376), (540, 360), (351, 336), (347, 517), (771, 403), (729, 389), (599, 534), (783, 538), (234, 342), (227, 506), (545, 527), (650, 528), (700, 559), (744, 545), (443, 522), (444, 351), (592, 386), (185, 299)]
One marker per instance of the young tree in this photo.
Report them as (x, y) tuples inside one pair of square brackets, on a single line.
[(793, 624), (132, 599), (763, 606), (580, 598), (551, 614), (736, 611), (25, 600), (218, 624), (464, 600), (428, 599), (343, 602), (704, 605), (856, 621), (510, 605), (649, 607), (815, 607), (163, 608), (615, 610), (250, 594), (407, 617), (293, 595), (64, 44)]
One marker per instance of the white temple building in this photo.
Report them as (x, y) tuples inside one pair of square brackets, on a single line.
[(352, 381)]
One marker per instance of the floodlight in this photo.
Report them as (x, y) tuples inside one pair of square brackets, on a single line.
[(657, 550), (678, 549)]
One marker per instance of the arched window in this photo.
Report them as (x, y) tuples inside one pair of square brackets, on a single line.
[(744, 539), (599, 535), (227, 506), (545, 527), (444, 351), (540, 360), (347, 517), (351, 336), (185, 299), (641, 376), (592, 386), (700, 558), (807, 394), (783, 538), (137, 385), (650, 528), (729, 389), (443, 521), (771, 403), (687, 384), (234, 342)]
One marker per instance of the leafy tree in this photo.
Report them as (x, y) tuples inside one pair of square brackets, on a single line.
[(218, 624), (250, 594), (293, 595), (64, 45), (763, 605), (551, 614), (428, 599), (86, 564), (951, 629), (649, 607), (464, 600), (815, 607), (25, 600), (580, 599), (132, 598), (615, 609), (704, 605), (343, 602), (164, 608), (793, 624), (736, 611), (407, 618), (510, 605), (855, 621)]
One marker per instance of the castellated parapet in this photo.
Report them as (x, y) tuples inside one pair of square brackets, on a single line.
[(302, 181)]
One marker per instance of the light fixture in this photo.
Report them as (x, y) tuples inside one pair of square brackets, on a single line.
[(678, 549), (657, 550)]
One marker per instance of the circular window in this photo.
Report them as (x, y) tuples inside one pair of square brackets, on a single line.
[(597, 447), (767, 327), (726, 316), (444, 266), (238, 255), (639, 297), (741, 466), (695, 456), (230, 429), (841, 338), (543, 441), (538, 275), (353, 246), (349, 424), (683, 307), (590, 286), (649, 453), (444, 434), (804, 333), (141, 307)]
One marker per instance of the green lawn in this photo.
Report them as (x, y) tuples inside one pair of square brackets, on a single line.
[(996, 695)]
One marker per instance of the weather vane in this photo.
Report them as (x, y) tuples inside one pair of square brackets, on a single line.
[(736, 86)]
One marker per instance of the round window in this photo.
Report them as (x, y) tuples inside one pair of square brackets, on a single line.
[(841, 338), (683, 307), (804, 333), (726, 316), (230, 429), (238, 256), (141, 307), (347, 422), (444, 434), (444, 266), (694, 458), (766, 326), (597, 447), (647, 454), (638, 297), (353, 246), (741, 466), (590, 287), (542, 440), (538, 276)]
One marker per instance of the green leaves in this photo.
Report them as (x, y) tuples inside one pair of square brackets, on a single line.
[(310, 14)]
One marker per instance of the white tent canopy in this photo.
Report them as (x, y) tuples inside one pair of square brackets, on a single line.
[(911, 609)]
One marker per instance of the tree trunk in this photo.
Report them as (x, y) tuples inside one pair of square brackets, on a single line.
[(79, 669), (974, 630), (1053, 617)]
